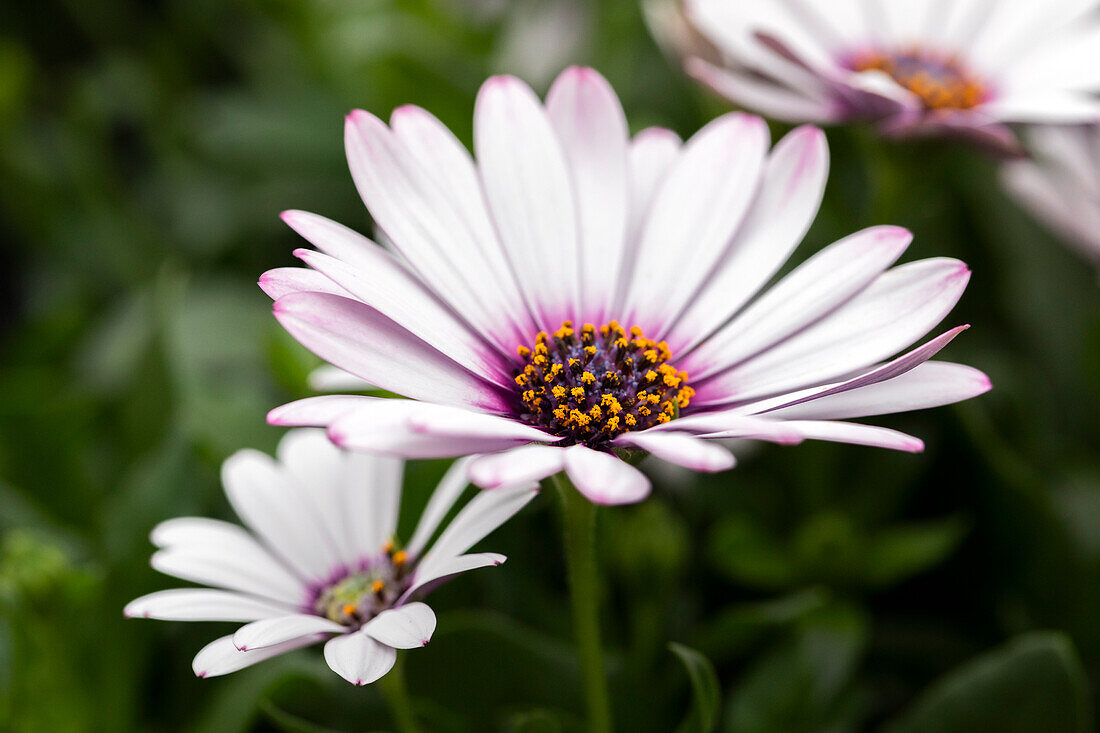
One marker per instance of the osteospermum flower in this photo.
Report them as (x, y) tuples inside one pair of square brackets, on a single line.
[(1060, 184), (576, 295), (963, 68), (321, 562)]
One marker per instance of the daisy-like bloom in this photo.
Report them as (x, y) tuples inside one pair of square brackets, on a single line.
[(321, 562), (576, 295), (1060, 184), (963, 68)]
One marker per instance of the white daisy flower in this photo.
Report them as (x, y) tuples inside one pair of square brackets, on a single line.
[(1060, 184), (963, 68), (576, 295), (321, 562)]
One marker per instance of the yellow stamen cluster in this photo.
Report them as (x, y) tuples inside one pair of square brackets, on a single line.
[(360, 594), (941, 82), (591, 384)]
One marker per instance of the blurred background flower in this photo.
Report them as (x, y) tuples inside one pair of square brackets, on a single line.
[(146, 150), (963, 69), (1060, 183)]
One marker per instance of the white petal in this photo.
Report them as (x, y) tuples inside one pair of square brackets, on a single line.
[(652, 152), (767, 97), (409, 203), (361, 340), (370, 493), (358, 658), (221, 657), (380, 280), (683, 449), (882, 372), (732, 424), (526, 182), (789, 197), (316, 411), (1054, 107), (695, 214), (273, 631), (931, 384), (518, 466), (856, 434), (452, 485), (222, 555), (815, 288), (413, 429), (453, 566), (604, 478), (900, 307), (203, 604), (273, 504), (485, 512), (327, 378), (318, 466), (406, 627), (285, 280), (441, 154), (591, 126)]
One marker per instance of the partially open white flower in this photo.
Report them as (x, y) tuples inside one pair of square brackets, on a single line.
[(321, 561)]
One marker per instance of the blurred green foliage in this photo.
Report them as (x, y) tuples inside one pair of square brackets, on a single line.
[(146, 150)]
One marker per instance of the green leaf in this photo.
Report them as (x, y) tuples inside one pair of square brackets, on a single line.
[(736, 627), (900, 552), (1034, 683), (703, 716), (803, 684)]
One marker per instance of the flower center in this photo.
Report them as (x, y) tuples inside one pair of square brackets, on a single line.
[(940, 81), (359, 596), (592, 384)]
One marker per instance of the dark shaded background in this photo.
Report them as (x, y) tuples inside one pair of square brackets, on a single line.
[(146, 149)]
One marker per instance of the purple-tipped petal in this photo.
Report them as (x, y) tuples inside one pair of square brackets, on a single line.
[(406, 627), (358, 658)]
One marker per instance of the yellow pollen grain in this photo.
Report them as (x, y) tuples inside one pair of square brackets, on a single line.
[(577, 392), (400, 557), (588, 378), (348, 609), (558, 392), (377, 586)]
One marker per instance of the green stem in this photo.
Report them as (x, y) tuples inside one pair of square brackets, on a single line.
[(579, 529), (397, 697)]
